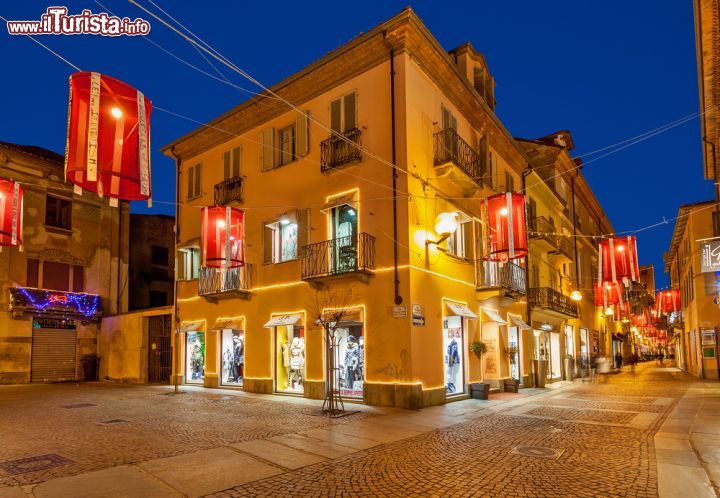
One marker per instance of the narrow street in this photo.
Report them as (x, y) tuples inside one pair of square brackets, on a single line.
[(611, 437)]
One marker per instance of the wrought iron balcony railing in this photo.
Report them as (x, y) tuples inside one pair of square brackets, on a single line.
[(565, 247), (228, 191), (508, 276), (335, 151), (221, 280), (550, 299), (450, 148), (541, 228), (339, 256)]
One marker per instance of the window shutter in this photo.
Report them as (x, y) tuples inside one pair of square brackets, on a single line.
[(237, 156), (453, 122), (33, 271), (350, 111), (268, 235), (483, 153), (492, 170), (479, 249), (303, 221), (180, 262), (335, 116), (191, 182), (302, 128), (467, 229), (267, 149), (198, 180), (78, 278), (226, 163), (445, 118)]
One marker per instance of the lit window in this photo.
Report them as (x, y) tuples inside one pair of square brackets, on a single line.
[(190, 259), (283, 240), (459, 242)]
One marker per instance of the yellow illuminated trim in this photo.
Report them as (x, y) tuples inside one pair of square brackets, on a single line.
[(193, 321), (230, 318), (257, 378), (273, 344), (443, 276), (338, 194), (275, 286), (184, 299)]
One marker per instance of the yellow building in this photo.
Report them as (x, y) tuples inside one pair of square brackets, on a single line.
[(692, 249), (328, 213)]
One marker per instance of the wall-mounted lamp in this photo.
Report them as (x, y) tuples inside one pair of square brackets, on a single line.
[(576, 295), (445, 225)]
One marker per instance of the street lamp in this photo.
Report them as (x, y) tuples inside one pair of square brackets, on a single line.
[(576, 295)]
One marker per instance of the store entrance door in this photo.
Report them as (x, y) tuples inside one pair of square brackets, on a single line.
[(159, 348), (454, 352), (514, 352), (555, 362)]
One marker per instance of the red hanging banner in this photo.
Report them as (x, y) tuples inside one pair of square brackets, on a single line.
[(505, 229), (607, 294), (11, 213), (618, 260), (108, 137), (223, 234), (667, 301)]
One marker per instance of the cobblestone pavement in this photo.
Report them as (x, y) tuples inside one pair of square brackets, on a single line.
[(583, 439), (475, 458)]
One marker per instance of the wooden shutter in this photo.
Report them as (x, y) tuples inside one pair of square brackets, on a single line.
[(33, 271), (268, 236), (236, 157), (180, 265), (445, 118), (198, 180), (78, 278), (303, 221), (267, 149), (492, 170), (350, 109), (302, 136), (478, 234), (191, 182), (483, 153), (56, 276), (226, 165), (336, 116), (467, 240)]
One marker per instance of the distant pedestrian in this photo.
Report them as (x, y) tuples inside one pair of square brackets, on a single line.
[(618, 360), (661, 357)]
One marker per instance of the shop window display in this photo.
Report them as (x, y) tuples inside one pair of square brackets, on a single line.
[(351, 360), (514, 352), (290, 350), (195, 357), (233, 357), (454, 352)]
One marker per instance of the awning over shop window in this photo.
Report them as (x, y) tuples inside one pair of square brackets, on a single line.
[(237, 323), (494, 316), (190, 326), (350, 316), (280, 320), (457, 309), (519, 322), (340, 200)]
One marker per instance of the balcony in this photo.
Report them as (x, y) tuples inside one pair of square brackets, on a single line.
[(541, 229), (352, 255), (449, 148), (508, 277), (565, 252), (228, 191), (225, 282), (335, 152), (549, 299)]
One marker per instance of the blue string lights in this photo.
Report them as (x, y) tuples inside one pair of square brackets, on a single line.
[(41, 300)]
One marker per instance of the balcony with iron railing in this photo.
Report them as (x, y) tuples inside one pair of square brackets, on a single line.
[(507, 277), (565, 249), (549, 299), (342, 256), (337, 151), (228, 191), (225, 281), (450, 148), (542, 229)]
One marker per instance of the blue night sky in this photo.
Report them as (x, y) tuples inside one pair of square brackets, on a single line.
[(607, 71)]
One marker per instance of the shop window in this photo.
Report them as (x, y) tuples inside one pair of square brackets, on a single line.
[(514, 352), (231, 162), (351, 355), (189, 263), (454, 355), (33, 272), (569, 340), (233, 357), (56, 276), (195, 357), (194, 181), (290, 359), (58, 212), (78, 278)]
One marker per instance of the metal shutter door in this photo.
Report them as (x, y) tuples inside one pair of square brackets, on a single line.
[(53, 355)]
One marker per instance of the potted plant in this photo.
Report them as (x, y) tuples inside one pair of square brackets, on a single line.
[(479, 390), (90, 366), (569, 362), (512, 352)]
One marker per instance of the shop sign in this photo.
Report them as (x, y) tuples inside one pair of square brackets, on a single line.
[(710, 257), (418, 315), (400, 311), (707, 337)]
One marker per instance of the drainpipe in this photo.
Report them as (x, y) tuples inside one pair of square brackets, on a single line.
[(398, 298), (176, 228)]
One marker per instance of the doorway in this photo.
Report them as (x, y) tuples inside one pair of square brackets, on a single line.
[(454, 355), (514, 353), (344, 227), (159, 349), (54, 350)]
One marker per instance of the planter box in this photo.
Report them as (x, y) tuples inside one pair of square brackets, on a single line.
[(510, 385), (479, 390)]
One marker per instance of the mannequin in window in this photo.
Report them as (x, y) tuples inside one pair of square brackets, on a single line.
[(196, 361), (452, 360), (238, 358), (297, 363), (228, 364), (352, 361)]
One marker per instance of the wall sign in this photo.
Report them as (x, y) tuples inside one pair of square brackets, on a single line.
[(710, 256), (418, 315), (400, 311)]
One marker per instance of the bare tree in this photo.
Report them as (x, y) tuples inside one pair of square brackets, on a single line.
[(328, 307)]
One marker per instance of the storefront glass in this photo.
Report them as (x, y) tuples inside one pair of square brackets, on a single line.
[(569, 340), (454, 352), (290, 359), (195, 357), (233, 357), (584, 349), (547, 347), (350, 342), (555, 362), (514, 352)]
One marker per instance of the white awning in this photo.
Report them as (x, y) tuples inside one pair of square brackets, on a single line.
[(519, 322), (190, 326), (494, 316), (229, 323), (457, 309), (281, 320)]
